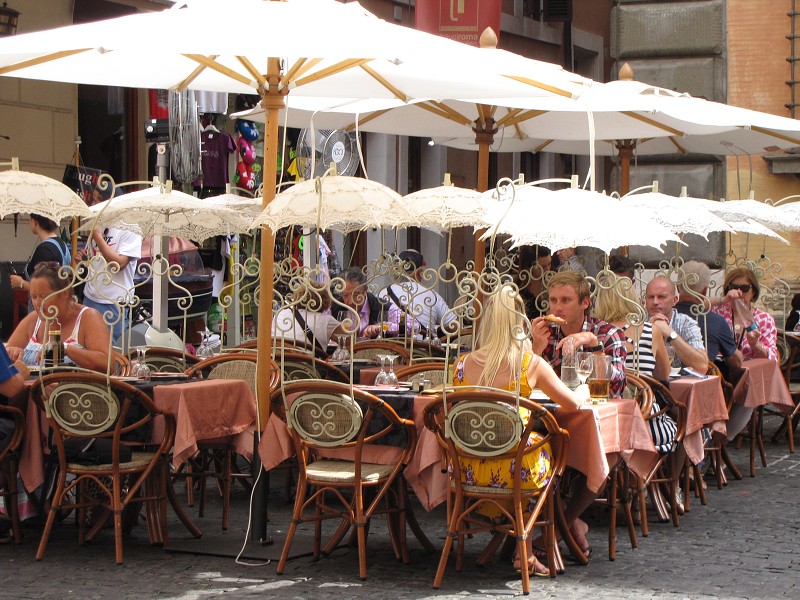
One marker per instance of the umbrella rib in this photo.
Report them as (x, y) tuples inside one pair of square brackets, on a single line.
[(332, 70), (41, 60), (542, 86), (542, 146), (654, 123), (366, 119), (245, 62), (512, 112), (300, 66), (508, 121), (444, 111), (228, 72), (382, 80), (780, 136), (680, 148), (192, 76)]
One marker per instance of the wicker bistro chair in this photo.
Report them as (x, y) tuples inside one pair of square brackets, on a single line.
[(295, 366), (217, 457), (83, 408), (435, 371), (325, 415), (662, 481), (9, 462), (790, 374), (168, 360), (482, 423), (372, 348), (718, 451)]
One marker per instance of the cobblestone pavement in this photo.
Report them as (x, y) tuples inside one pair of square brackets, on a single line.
[(741, 545)]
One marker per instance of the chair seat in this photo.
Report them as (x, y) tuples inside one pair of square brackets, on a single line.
[(138, 460), (340, 471)]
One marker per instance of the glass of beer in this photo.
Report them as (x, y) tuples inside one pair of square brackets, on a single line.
[(599, 382)]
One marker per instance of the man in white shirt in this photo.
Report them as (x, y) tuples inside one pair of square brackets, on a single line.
[(422, 306), (107, 291)]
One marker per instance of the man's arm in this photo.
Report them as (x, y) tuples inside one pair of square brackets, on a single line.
[(107, 251), (690, 356)]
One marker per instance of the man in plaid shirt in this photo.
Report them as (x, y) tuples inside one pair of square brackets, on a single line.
[(569, 296)]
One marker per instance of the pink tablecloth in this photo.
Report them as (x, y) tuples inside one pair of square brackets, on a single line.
[(615, 427), (705, 406), (762, 383), (207, 410)]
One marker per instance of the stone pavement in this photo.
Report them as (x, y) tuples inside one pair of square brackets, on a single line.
[(741, 545)]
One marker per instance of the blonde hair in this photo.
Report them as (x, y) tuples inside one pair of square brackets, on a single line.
[(616, 302), (502, 323)]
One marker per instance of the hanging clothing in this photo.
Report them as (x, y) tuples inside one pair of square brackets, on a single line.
[(211, 102), (216, 147)]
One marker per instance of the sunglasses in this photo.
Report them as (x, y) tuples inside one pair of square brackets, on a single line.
[(743, 287)]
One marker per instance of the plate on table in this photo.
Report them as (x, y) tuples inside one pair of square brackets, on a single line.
[(355, 361), (125, 379), (169, 376)]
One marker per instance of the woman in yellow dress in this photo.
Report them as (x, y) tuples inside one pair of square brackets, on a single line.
[(495, 363)]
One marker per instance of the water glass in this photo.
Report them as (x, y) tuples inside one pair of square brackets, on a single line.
[(382, 378)]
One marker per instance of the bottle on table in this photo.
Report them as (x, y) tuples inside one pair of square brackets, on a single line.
[(53, 351)]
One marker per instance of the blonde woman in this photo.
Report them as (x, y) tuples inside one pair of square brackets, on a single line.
[(496, 363)]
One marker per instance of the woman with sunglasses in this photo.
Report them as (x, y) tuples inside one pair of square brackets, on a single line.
[(85, 335), (760, 342)]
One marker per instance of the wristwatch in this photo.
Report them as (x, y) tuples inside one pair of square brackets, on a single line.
[(598, 348), (672, 336)]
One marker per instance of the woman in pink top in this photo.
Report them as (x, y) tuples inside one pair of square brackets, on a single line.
[(760, 342)]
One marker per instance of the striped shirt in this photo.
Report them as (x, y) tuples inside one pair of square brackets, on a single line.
[(644, 349)]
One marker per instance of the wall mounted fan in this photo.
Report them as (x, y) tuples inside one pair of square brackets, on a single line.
[(337, 147)]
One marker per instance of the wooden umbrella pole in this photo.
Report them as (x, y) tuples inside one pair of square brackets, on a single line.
[(625, 149), (272, 99)]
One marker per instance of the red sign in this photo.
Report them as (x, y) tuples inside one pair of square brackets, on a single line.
[(459, 20)]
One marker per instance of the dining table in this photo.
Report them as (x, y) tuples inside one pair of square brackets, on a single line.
[(762, 383), (705, 407)]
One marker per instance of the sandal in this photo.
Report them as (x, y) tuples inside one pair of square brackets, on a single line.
[(536, 568)]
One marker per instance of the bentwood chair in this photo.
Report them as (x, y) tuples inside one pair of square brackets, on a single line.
[(435, 371), (661, 478), (87, 408), (480, 423), (717, 451), (791, 374), (370, 349), (325, 415), (295, 366), (168, 360), (9, 462), (217, 457)]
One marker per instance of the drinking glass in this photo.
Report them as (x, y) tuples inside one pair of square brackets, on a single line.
[(384, 329), (142, 370), (138, 362), (205, 350), (584, 363), (344, 353), (391, 377), (671, 355), (337, 354), (382, 378)]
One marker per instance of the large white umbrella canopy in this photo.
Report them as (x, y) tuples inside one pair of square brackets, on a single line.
[(24, 192), (335, 202), (154, 211)]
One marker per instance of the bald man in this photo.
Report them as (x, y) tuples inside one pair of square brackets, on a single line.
[(679, 330)]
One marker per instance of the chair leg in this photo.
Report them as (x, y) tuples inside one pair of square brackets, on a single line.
[(626, 507), (612, 516), (287, 544), (760, 435), (753, 424), (455, 510)]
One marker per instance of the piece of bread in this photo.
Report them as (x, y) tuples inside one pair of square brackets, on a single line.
[(554, 319)]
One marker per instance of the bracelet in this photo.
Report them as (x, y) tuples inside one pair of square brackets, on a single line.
[(598, 348)]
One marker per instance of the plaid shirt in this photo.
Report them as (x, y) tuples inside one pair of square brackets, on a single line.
[(613, 341)]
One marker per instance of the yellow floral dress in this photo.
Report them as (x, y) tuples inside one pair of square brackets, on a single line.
[(537, 467)]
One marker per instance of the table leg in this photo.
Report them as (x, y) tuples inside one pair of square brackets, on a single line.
[(179, 510)]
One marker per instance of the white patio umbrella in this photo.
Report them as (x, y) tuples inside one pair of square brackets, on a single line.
[(679, 214), (742, 210), (447, 206), (335, 202), (169, 213), (576, 217), (24, 192)]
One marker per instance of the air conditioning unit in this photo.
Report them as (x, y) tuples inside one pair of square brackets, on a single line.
[(556, 11)]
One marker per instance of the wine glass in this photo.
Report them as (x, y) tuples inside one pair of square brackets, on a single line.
[(584, 362), (205, 350), (671, 355), (391, 377), (344, 353), (142, 370), (384, 329), (138, 362), (382, 378), (337, 354)]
